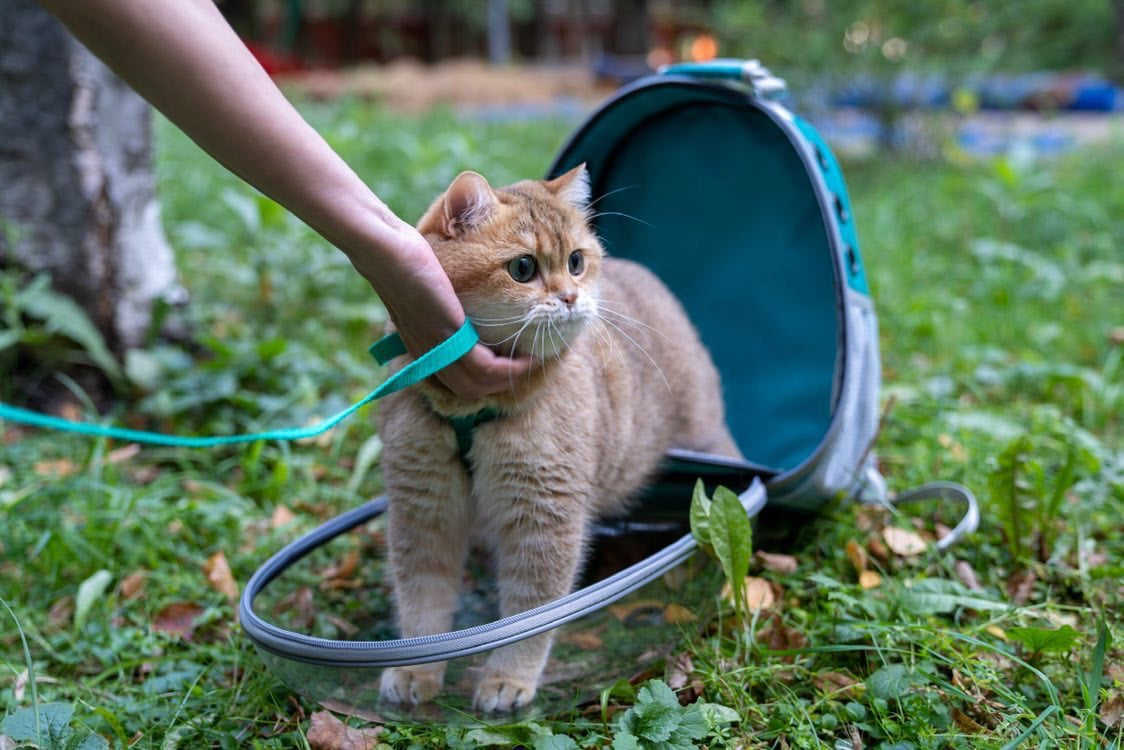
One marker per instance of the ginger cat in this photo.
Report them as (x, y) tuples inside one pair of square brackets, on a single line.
[(620, 377)]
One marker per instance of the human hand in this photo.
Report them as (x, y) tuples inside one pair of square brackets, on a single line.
[(425, 311)]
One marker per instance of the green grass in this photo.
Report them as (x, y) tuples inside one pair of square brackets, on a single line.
[(998, 290)]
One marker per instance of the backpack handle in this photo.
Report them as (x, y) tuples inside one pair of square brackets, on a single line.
[(749, 72)]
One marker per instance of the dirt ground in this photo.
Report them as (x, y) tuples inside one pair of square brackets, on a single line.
[(410, 86)]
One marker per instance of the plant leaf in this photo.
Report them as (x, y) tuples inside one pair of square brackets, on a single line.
[(89, 591), (892, 681), (1045, 640)]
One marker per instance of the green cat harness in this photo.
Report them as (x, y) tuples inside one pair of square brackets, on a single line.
[(465, 426), (383, 350)]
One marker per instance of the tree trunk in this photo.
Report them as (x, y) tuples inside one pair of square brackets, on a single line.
[(77, 189)]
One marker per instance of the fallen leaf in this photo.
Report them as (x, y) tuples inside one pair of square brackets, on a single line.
[(679, 671), (20, 686), (1116, 336), (677, 614), (966, 723), (61, 612), (132, 585), (177, 619), (1020, 586), (839, 685), (344, 626), (903, 542), (869, 579), (1112, 711), (878, 550), (627, 610), (57, 468), (124, 453), (217, 570), (326, 732), (857, 556), (299, 608), (777, 563), (281, 517), (997, 631), (967, 575), (347, 709), (757, 593), (588, 640), (345, 568), (779, 637)]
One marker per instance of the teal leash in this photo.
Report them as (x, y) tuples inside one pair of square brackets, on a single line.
[(383, 350)]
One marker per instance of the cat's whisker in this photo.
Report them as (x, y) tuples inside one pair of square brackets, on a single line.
[(603, 196), (642, 350), (623, 215), (622, 318)]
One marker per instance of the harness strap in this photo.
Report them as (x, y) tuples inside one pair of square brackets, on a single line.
[(435, 360)]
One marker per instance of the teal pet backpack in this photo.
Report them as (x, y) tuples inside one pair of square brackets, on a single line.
[(702, 175)]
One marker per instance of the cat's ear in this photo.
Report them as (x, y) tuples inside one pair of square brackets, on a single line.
[(469, 202), (572, 187)]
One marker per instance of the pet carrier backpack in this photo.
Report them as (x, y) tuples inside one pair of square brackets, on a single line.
[(741, 208)]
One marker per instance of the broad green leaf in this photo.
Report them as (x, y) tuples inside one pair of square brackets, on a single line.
[(700, 515), (717, 715), (937, 596), (626, 741), (63, 316), (54, 721), (1045, 640), (731, 534), (555, 742), (89, 591), (893, 681)]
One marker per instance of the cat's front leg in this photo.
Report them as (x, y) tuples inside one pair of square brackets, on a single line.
[(428, 539), (538, 552)]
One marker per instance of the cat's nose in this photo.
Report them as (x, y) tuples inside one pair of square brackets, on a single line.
[(568, 296)]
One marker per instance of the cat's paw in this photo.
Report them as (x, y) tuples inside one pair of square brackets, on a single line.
[(409, 685), (501, 693)]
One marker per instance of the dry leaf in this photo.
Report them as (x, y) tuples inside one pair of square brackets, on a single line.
[(281, 517), (869, 579), (326, 732), (124, 453), (132, 585), (217, 570), (857, 555), (878, 550), (679, 671), (299, 608), (757, 593), (56, 468), (1020, 586), (903, 542), (966, 723), (997, 631), (967, 575), (347, 709), (587, 640), (1112, 711), (677, 614), (628, 610), (20, 686), (776, 562), (839, 685), (177, 619), (345, 568), (61, 612)]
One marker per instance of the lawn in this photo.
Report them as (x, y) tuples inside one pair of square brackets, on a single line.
[(998, 285)]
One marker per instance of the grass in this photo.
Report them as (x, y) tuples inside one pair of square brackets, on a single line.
[(997, 284)]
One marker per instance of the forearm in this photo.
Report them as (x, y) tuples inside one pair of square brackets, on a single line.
[(184, 58)]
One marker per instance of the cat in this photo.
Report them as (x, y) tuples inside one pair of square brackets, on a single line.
[(620, 376)]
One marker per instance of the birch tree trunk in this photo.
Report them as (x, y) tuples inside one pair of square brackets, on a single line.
[(77, 189)]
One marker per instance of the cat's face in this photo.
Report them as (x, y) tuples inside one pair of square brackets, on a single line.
[(522, 259)]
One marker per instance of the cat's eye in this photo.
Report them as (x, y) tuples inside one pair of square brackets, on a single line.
[(523, 268), (576, 262)]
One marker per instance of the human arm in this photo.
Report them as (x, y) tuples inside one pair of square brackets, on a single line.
[(185, 59)]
